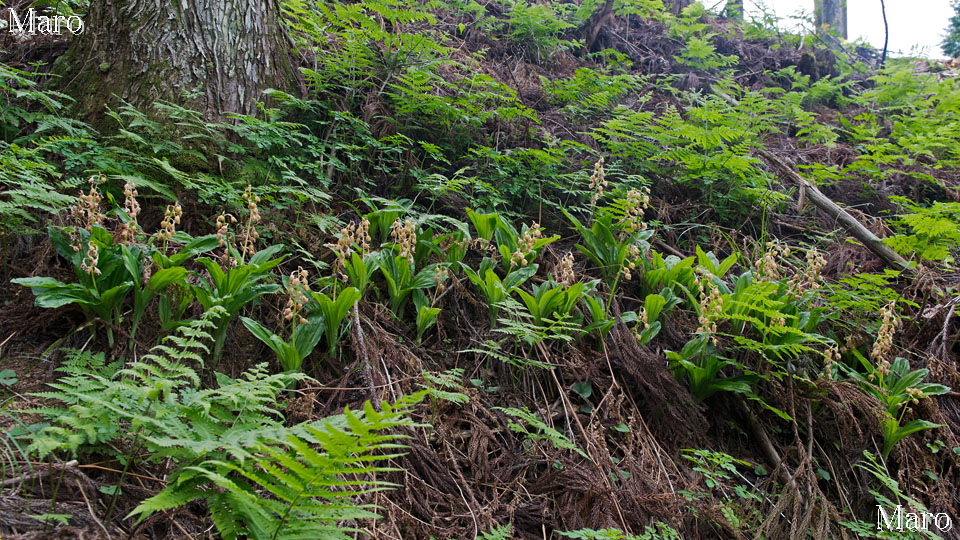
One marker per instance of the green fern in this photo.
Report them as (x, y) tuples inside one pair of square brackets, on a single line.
[(146, 393), (657, 531), (501, 532), (535, 430), (261, 479), (27, 187), (935, 231), (494, 349), (446, 386), (282, 487)]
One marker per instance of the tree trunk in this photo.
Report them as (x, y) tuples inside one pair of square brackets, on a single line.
[(215, 56), (677, 5), (596, 22), (832, 16), (734, 9)]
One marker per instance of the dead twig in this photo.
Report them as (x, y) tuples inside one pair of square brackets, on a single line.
[(841, 216), (765, 444), (90, 509)]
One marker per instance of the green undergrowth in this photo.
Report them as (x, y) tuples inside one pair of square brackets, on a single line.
[(513, 251)]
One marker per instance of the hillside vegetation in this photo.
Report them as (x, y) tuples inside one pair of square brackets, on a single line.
[(502, 270)]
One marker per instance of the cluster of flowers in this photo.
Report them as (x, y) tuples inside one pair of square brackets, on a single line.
[(91, 259), (405, 238), (642, 320), (352, 234), (767, 268), (850, 343), (482, 244), (915, 394), (526, 244), (884, 343), (223, 228), (439, 275), (711, 303), (85, 215), (815, 264), (250, 234), (637, 201), (598, 182), (832, 357), (128, 229), (171, 218), (630, 263), (249, 237), (810, 278), (566, 277), (448, 242), (297, 288), (224, 221)]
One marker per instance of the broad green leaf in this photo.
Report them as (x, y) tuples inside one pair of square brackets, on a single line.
[(163, 278), (653, 305)]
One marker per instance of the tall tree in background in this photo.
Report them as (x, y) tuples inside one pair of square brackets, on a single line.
[(734, 9), (677, 5), (216, 56), (951, 41), (832, 14)]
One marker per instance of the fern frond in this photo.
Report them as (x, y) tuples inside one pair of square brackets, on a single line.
[(542, 430)]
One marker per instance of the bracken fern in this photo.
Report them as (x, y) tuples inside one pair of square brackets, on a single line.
[(260, 478)]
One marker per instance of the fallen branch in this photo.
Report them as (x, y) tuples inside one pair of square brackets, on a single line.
[(841, 216), (40, 474)]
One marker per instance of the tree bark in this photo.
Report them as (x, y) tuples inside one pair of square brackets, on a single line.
[(832, 16), (677, 5), (215, 56), (596, 22), (886, 34)]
